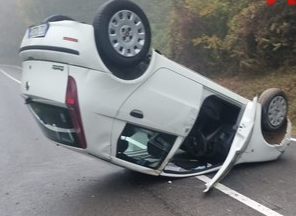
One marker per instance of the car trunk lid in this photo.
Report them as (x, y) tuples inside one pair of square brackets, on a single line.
[(45, 80), (52, 97)]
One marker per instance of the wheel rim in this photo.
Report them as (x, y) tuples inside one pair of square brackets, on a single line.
[(277, 111), (127, 33)]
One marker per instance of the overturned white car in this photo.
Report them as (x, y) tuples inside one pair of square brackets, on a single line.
[(98, 89)]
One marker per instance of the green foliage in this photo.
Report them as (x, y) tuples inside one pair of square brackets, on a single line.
[(262, 38), (232, 36)]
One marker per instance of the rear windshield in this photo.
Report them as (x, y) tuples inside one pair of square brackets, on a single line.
[(55, 123)]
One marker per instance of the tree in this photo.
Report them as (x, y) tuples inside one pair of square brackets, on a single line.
[(230, 36)]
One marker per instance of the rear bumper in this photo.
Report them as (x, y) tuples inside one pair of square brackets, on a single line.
[(68, 42)]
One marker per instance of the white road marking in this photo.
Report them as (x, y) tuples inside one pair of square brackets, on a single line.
[(10, 77), (293, 139), (241, 198), (13, 66)]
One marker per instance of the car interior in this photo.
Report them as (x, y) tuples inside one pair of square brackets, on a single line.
[(210, 139)]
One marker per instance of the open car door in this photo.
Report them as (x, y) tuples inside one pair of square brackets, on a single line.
[(239, 143), (232, 142)]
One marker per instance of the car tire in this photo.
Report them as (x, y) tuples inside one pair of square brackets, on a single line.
[(56, 18), (274, 109), (122, 33)]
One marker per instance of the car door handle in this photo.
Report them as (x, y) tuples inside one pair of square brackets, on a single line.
[(137, 114)]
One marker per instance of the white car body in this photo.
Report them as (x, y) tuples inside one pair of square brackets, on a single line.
[(167, 99)]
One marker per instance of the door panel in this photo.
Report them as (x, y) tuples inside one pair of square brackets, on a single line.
[(161, 105)]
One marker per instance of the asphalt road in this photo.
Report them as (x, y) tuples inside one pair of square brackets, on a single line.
[(39, 178)]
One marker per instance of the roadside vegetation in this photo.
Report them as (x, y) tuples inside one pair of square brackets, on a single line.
[(245, 45)]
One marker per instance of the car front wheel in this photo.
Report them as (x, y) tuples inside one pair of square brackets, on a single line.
[(274, 109)]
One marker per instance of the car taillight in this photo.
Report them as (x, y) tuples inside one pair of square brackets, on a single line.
[(73, 105)]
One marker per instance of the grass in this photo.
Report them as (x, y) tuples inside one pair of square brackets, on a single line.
[(251, 85)]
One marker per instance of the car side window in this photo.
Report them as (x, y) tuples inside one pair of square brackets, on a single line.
[(143, 146)]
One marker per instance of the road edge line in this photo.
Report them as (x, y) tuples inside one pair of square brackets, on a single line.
[(13, 66), (10, 77), (241, 198)]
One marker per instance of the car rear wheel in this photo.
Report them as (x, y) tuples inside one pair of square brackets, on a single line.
[(122, 33), (274, 109)]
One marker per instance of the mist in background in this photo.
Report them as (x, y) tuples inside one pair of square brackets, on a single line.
[(12, 30)]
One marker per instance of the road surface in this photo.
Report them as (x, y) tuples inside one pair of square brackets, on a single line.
[(40, 178)]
